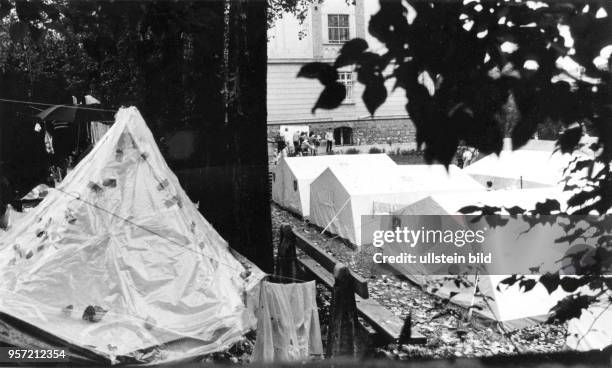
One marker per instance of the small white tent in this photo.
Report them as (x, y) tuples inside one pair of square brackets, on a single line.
[(532, 166), (119, 237), (344, 201), (292, 176), (511, 307)]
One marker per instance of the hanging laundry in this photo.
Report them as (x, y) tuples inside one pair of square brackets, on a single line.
[(91, 100), (49, 143), (287, 323), (97, 130)]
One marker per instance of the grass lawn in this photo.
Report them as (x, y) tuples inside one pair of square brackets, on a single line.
[(408, 159)]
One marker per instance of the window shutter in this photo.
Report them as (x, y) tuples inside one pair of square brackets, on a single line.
[(324, 25)]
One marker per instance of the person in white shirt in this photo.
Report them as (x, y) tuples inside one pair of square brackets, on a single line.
[(469, 155), (329, 138)]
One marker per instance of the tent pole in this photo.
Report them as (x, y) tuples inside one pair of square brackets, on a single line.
[(336, 215), (471, 308)]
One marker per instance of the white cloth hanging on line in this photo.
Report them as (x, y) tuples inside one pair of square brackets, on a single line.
[(287, 323)]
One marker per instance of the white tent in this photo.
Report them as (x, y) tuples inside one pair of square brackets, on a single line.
[(532, 166), (120, 236), (343, 201), (511, 307), (292, 176), (593, 330)]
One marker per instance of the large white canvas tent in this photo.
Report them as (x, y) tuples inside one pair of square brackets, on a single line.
[(593, 330), (293, 175), (511, 307), (532, 166), (119, 236), (344, 201)]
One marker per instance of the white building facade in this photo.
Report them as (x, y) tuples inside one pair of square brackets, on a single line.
[(318, 38)]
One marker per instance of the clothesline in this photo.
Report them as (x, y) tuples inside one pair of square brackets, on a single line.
[(183, 246), (48, 104)]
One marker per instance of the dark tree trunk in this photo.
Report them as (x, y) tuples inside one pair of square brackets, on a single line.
[(247, 133)]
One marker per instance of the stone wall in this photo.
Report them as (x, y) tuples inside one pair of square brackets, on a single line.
[(365, 131)]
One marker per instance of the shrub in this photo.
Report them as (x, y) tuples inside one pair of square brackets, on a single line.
[(375, 150), (352, 151)]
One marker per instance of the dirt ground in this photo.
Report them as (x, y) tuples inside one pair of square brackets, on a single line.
[(432, 317)]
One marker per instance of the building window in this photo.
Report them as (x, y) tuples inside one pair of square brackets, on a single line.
[(343, 136), (396, 222), (346, 78), (338, 28)]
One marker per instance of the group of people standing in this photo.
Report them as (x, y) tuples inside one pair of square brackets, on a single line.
[(302, 143), (305, 144)]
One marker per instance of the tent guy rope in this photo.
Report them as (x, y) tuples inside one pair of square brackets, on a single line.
[(78, 198), (47, 104)]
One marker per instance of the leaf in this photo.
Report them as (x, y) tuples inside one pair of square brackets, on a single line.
[(571, 237), (325, 73), (332, 96), (522, 132), (490, 210), (582, 164), (546, 207), (527, 284), (375, 94), (569, 139), (368, 68), (515, 210), (508, 281), (578, 199), (550, 281), (351, 52), (496, 220), (570, 307), (571, 284), (469, 209), (18, 31)]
